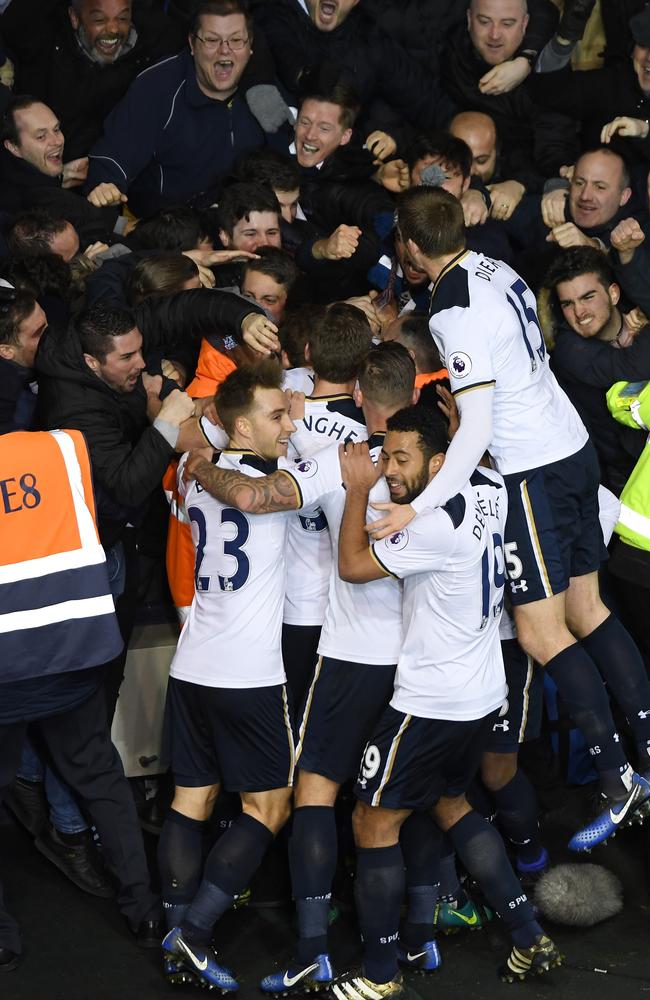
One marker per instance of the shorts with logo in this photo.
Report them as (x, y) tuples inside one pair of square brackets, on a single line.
[(343, 704), (238, 737), (552, 531), (523, 719), (410, 762)]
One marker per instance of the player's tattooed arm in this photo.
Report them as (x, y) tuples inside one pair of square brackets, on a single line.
[(265, 495), (356, 561)]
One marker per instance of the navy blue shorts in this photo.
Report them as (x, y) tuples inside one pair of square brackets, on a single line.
[(552, 531), (410, 762), (343, 704), (240, 738), (523, 719)]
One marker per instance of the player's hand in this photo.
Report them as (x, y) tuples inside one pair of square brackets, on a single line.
[(106, 194), (380, 144), (204, 407), (505, 77), (634, 322), (260, 334), (397, 516), (394, 176), (212, 258), (74, 172), (358, 471), (505, 198), (568, 235), (625, 238), (341, 245), (629, 128), (296, 406), (196, 458), (553, 208), (176, 408), (567, 171), (447, 404), (174, 371), (94, 249), (365, 304), (475, 209)]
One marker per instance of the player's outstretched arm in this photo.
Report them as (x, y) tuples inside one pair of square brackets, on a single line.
[(265, 495), (356, 564)]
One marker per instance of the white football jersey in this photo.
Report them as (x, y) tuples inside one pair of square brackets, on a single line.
[(308, 545), (452, 562), (232, 637), (483, 319), (299, 380), (363, 622)]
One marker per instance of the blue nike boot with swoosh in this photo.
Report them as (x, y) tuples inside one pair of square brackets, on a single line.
[(425, 959), (200, 961), (613, 815), (307, 978)]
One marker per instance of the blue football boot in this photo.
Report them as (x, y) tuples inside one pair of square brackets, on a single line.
[(310, 978), (613, 816), (200, 961)]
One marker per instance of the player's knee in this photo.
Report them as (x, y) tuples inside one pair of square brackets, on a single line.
[(315, 790), (497, 769), (448, 811), (375, 827), (271, 809), (195, 803)]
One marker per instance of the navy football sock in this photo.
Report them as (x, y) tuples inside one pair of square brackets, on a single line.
[(585, 696), (517, 811), (421, 841), (312, 858), (450, 887), (180, 862), (378, 893), (616, 655), (481, 849), (230, 865)]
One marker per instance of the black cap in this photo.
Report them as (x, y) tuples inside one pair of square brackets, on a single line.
[(640, 28)]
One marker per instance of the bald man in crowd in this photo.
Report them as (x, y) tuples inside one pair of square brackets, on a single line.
[(505, 171)]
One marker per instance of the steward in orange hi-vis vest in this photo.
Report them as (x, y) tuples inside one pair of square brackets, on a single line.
[(56, 608)]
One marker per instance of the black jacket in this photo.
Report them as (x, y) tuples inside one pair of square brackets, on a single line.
[(375, 64), (633, 277), (166, 141), (584, 374), (17, 401), (593, 97), (128, 454), (547, 139), (22, 186), (51, 65), (421, 26)]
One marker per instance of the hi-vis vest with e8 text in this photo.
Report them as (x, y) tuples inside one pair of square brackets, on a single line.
[(56, 608)]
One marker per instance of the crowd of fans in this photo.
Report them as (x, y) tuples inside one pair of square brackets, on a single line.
[(202, 198)]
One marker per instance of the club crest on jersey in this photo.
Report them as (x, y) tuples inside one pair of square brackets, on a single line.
[(397, 541), (307, 468), (459, 364)]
